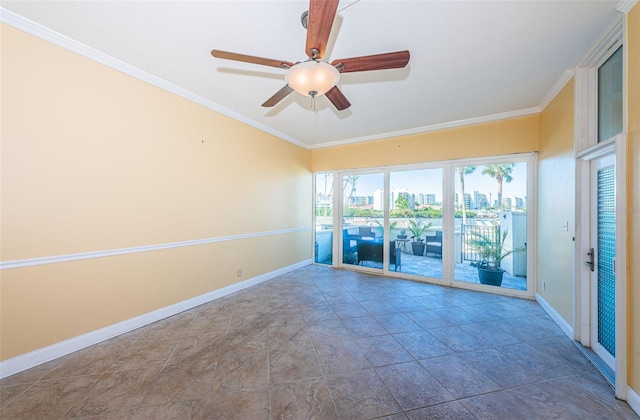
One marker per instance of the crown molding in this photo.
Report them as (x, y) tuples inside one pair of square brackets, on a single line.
[(625, 6), (56, 38), (431, 128), (556, 88), (605, 45)]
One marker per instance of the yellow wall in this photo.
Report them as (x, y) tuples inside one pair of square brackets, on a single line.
[(95, 160), (633, 196), (515, 135), (556, 204)]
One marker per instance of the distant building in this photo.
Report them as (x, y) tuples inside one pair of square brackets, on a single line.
[(480, 199), (467, 200), (395, 193), (359, 201)]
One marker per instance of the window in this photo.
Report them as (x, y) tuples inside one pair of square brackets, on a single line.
[(610, 97)]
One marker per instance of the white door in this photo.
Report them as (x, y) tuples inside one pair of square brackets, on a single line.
[(601, 258)]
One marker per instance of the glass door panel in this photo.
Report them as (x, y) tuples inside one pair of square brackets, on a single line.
[(323, 187), (363, 220), (490, 230), (415, 221)]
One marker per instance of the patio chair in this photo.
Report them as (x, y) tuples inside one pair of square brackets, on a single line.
[(434, 244), (395, 256), (349, 242), (366, 232)]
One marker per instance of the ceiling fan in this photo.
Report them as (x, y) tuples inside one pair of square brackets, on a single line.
[(314, 77)]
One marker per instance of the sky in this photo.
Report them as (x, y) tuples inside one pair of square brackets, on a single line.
[(430, 181)]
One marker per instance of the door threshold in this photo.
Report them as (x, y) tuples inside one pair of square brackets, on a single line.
[(604, 368)]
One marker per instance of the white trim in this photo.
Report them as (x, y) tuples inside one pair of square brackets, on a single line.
[(555, 316), (605, 46), (620, 266), (633, 399), (556, 88), (430, 128), (29, 262), (47, 34), (625, 6), (37, 357)]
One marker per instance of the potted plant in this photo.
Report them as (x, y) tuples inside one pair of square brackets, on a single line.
[(418, 227), (490, 247)]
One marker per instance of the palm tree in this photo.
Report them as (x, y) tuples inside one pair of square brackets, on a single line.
[(349, 182), (501, 172), (462, 171)]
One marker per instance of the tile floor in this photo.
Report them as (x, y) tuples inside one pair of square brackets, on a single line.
[(320, 343)]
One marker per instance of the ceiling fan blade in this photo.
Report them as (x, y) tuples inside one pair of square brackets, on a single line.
[(394, 60), (279, 95), (338, 99), (319, 23), (251, 59)]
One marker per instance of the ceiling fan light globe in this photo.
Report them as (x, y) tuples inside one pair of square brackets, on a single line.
[(312, 76)]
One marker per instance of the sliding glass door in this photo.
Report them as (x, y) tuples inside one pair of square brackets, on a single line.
[(490, 232), (446, 222), (415, 215), (363, 220)]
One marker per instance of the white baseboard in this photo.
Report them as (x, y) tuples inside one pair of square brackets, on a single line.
[(633, 399), (37, 357), (555, 316)]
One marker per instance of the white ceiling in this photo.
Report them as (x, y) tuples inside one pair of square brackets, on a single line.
[(470, 61)]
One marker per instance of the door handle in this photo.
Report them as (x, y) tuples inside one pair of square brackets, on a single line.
[(590, 262)]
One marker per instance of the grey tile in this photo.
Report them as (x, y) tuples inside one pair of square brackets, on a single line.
[(459, 379), (364, 326), (340, 355), (457, 339), (206, 323), (145, 353), (181, 381), (490, 333), (361, 394), (397, 322), (240, 370), (91, 360), (500, 368), (315, 313), (115, 392), (582, 396), (293, 363), (240, 405), (327, 330), (48, 399), (304, 399), (421, 344), (291, 335), (349, 310), (413, 386), (242, 355), (185, 409), (450, 411), (247, 339), (383, 350), (172, 327), (497, 405), (407, 304), (429, 319), (203, 349), (285, 317), (378, 307)]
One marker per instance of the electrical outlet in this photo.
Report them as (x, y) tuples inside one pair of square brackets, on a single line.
[(239, 272)]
